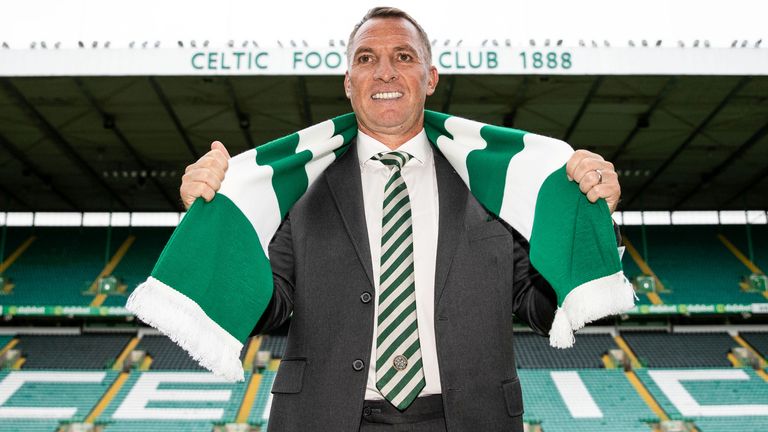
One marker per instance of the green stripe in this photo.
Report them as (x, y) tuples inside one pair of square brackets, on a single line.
[(404, 380), (398, 241), (563, 212), (393, 211), (403, 219), (383, 334), (487, 168), (395, 303), (382, 357), (179, 265), (408, 252), (414, 393), (400, 279), (381, 383), (393, 194)]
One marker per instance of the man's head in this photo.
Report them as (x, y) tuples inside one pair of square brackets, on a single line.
[(390, 75)]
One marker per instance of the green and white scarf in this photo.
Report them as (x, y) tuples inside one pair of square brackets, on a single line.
[(213, 280)]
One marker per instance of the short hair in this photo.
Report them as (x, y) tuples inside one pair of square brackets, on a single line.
[(391, 12)]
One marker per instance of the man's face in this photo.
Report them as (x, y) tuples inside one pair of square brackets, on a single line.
[(389, 78)]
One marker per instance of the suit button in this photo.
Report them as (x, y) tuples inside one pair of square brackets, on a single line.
[(367, 411), (358, 365), (366, 297)]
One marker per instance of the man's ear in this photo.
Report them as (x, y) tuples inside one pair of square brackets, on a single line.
[(347, 85), (432, 80)]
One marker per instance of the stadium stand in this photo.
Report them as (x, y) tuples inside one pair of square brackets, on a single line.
[(138, 262), (166, 354), (58, 266), (34, 402), (664, 350), (759, 341), (693, 264), (259, 414), (610, 405), (533, 351), (274, 344), (173, 401), (92, 351), (716, 400)]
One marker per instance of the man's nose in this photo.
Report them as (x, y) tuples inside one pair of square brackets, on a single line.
[(385, 70)]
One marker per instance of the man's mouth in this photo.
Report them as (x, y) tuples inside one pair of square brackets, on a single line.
[(387, 95)]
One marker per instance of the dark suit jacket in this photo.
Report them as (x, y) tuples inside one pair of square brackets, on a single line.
[(322, 270)]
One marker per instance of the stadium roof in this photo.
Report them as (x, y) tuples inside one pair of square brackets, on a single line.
[(686, 128)]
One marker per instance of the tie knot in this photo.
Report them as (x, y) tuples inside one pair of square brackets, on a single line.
[(396, 159)]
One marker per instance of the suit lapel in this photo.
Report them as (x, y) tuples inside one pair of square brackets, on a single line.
[(452, 193), (343, 178)]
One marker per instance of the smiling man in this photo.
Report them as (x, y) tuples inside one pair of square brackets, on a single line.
[(401, 286)]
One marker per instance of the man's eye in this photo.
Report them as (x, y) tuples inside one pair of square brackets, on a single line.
[(365, 58), (404, 57)]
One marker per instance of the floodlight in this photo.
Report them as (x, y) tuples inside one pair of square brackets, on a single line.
[(193, 44), (696, 43), (757, 44), (447, 41), (132, 44), (5, 45), (106, 44), (157, 44), (231, 43), (180, 43), (485, 42), (744, 43), (594, 44), (507, 42), (245, 44), (606, 43), (658, 43), (546, 42), (43, 45), (733, 44), (644, 42), (330, 43), (458, 44), (144, 44), (680, 44), (57, 45), (80, 44), (205, 43), (532, 42), (631, 43), (559, 42), (581, 42)]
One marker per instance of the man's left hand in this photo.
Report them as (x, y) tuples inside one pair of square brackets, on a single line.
[(595, 176)]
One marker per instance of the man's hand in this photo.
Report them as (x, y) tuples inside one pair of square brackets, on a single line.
[(595, 176), (203, 178)]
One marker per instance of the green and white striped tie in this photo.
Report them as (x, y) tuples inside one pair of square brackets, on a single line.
[(399, 371)]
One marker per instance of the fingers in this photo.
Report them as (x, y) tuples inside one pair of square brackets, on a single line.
[(576, 159), (203, 178), (217, 145), (582, 167)]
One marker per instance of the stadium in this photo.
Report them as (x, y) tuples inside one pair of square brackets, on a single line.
[(95, 137)]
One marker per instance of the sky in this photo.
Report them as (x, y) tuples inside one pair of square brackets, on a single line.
[(68, 21)]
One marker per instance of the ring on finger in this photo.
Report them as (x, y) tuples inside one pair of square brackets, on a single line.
[(599, 176)]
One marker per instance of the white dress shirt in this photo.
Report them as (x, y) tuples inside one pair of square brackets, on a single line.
[(421, 181)]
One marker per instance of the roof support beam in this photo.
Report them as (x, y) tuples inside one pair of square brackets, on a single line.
[(17, 154), (522, 89), (243, 119), (644, 120), (303, 97), (723, 103), (53, 134), (108, 121), (707, 178), (590, 94), (172, 114)]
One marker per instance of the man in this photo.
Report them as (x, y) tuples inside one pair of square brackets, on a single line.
[(400, 284)]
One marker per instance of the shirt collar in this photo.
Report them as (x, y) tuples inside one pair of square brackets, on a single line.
[(367, 147)]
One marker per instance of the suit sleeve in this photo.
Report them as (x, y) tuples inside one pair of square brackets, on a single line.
[(281, 259), (534, 299)]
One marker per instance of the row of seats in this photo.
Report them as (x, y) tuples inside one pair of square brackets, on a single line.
[(574, 400), (654, 349), (61, 263), (692, 263)]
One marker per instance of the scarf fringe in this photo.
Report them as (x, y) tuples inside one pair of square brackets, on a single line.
[(185, 323), (609, 295)]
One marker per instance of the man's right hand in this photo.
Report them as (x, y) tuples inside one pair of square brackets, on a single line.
[(203, 178)]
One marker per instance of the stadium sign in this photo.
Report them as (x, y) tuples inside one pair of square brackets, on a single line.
[(332, 61)]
